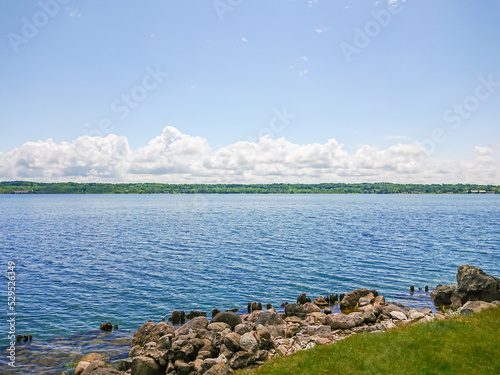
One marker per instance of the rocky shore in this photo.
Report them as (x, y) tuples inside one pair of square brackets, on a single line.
[(230, 341)]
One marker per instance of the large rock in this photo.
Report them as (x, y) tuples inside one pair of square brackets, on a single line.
[(441, 296), (232, 341), (99, 368), (199, 322), (81, 367), (472, 307), (230, 318), (320, 331), (342, 321), (311, 307), (294, 309), (369, 317), (151, 332), (351, 299), (397, 315), (475, 285), (146, 366), (269, 317), (184, 350), (248, 342), (266, 340), (320, 302), (273, 322), (302, 299), (218, 327), (241, 359), (219, 369)]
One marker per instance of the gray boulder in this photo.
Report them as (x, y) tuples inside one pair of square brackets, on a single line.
[(475, 285), (369, 317), (232, 341), (266, 340), (294, 309), (441, 296), (248, 342), (199, 322), (336, 321), (151, 332), (146, 366), (351, 299), (218, 327), (230, 318), (273, 322), (311, 307), (269, 317), (241, 329), (320, 331), (241, 359)]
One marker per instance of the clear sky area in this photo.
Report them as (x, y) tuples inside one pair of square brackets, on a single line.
[(250, 91)]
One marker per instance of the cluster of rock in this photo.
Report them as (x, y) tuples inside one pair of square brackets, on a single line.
[(231, 341), (475, 291)]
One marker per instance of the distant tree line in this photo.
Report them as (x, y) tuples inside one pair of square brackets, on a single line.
[(28, 187)]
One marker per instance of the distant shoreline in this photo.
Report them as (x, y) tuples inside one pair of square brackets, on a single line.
[(28, 187)]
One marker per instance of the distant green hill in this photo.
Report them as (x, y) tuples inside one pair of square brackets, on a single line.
[(20, 187)]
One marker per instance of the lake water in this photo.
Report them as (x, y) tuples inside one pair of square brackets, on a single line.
[(86, 259)]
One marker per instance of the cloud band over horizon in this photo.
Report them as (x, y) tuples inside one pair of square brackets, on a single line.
[(174, 157)]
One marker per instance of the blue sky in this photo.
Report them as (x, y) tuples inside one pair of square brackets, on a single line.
[(370, 75)]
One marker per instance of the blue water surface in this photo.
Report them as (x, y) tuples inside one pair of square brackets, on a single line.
[(85, 259)]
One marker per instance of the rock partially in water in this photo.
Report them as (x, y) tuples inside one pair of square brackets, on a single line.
[(175, 318), (302, 299), (106, 327), (441, 296), (475, 285), (320, 302), (351, 299)]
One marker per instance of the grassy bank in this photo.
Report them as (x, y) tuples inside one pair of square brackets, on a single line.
[(462, 345)]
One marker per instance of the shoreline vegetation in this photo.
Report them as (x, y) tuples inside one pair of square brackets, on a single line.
[(28, 187)]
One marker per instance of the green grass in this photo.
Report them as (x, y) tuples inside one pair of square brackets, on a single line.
[(461, 345)]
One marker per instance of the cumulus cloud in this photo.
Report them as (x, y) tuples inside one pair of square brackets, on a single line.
[(174, 157)]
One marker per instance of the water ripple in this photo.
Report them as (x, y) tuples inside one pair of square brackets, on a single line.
[(129, 258)]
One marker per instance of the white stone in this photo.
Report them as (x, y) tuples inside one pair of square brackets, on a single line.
[(398, 315)]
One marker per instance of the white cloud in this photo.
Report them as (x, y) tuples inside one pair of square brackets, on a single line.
[(175, 157), (320, 30)]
